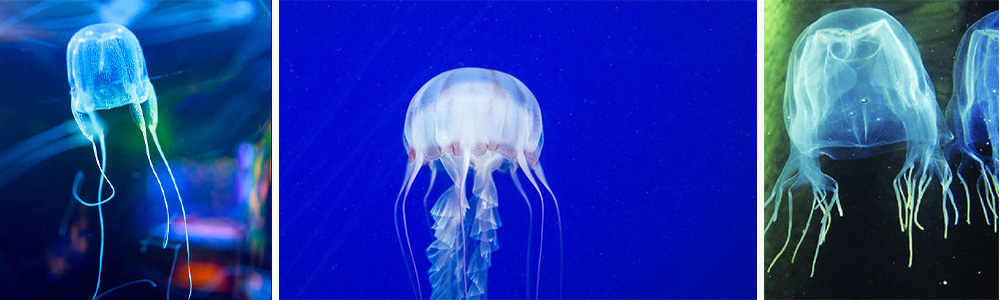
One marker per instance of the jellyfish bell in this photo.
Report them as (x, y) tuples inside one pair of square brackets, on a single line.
[(476, 110), (973, 113), (856, 88), (107, 70), (479, 120), (855, 82)]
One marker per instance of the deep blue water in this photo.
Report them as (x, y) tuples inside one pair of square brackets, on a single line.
[(649, 119)]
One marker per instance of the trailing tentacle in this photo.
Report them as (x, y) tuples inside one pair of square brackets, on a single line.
[(800, 170), (910, 186)]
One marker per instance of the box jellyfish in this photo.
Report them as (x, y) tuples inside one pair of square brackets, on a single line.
[(972, 113), (479, 120), (856, 88), (107, 70)]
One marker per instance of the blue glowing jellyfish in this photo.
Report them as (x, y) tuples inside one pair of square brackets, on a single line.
[(856, 88), (972, 113), (107, 70), (479, 120)]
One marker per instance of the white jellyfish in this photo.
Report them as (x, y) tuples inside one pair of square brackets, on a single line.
[(479, 120)]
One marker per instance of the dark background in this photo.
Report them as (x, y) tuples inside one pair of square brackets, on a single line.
[(649, 122)]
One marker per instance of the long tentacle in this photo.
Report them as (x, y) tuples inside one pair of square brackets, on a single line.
[(173, 265), (100, 214), (531, 222), (427, 195), (923, 181), (144, 244), (968, 198), (788, 179), (463, 175), (994, 193), (826, 204), (910, 184), (816, 205), (79, 177), (905, 191), (100, 164), (788, 237), (399, 236), (187, 242), (984, 189), (555, 202), (944, 171), (786, 182), (825, 222), (141, 123), (411, 172), (826, 199), (522, 161)]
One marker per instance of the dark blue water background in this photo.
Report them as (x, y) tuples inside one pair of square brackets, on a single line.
[(649, 120)]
